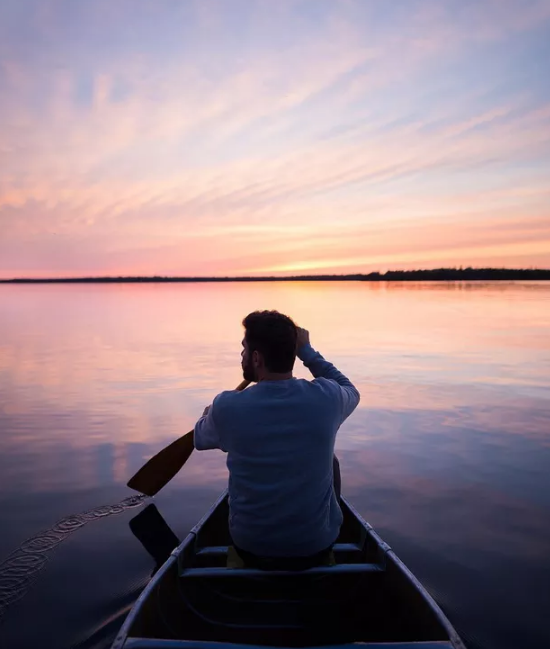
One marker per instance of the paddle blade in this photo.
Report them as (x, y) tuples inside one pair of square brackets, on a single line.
[(154, 533), (163, 466)]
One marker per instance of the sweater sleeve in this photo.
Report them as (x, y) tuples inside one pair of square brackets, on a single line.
[(321, 368), (206, 434)]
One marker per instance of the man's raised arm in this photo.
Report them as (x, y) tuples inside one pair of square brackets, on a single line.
[(320, 367)]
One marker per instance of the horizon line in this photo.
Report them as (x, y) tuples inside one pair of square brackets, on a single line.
[(444, 273)]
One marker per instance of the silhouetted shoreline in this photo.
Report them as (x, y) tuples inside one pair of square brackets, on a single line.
[(435, 275)]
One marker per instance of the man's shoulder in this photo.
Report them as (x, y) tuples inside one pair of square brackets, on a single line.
[(227, 398), (319, 391), (321, 382)]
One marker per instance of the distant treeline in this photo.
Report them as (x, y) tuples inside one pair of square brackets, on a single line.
[(433, 275)]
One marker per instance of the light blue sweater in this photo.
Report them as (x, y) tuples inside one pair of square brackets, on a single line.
[(279, 439)]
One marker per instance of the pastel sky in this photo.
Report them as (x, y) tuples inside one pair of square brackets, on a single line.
[(217, 137)]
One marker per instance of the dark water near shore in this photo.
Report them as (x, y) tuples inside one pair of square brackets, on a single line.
[(448, 455)]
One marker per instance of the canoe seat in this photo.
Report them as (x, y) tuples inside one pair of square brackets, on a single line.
[(222, 550), (221, 573)]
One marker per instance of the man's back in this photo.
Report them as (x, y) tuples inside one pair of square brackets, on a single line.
[(279, 437)]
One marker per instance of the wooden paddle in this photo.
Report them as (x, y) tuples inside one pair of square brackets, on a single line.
[(163, 466)]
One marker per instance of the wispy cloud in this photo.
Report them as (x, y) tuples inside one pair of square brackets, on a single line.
[(178, 138)]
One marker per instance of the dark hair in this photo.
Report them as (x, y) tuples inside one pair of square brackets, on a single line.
[(274, 335)]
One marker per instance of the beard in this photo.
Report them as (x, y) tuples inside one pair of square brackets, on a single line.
[(249, 373)]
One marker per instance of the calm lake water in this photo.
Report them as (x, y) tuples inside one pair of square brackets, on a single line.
[(448, 454)]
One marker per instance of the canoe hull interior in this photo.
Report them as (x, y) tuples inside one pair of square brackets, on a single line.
[(368, 597)]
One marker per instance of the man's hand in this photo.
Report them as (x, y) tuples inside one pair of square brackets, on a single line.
[(302, 339)]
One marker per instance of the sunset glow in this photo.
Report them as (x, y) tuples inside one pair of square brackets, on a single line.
[(253, 137)]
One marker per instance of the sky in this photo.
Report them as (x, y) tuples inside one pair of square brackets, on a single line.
[(272, 137)]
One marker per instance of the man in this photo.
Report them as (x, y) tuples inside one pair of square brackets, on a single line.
[(279, 438)]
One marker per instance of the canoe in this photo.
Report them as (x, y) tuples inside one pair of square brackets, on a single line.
[(368, 598)]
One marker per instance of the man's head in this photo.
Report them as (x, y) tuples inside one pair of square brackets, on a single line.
[(269, 344)]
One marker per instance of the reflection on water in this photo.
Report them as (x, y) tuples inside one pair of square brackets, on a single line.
[(448, 455)]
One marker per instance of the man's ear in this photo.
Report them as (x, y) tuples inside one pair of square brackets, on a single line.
[(256, 357)]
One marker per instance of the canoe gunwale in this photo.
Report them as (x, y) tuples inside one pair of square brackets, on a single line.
[(122, 636)]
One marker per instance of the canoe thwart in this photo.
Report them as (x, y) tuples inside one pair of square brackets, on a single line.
[(222, 550), (224, 573)]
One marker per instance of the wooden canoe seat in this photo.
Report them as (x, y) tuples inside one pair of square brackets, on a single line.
[(222, 550), (221, 573)]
